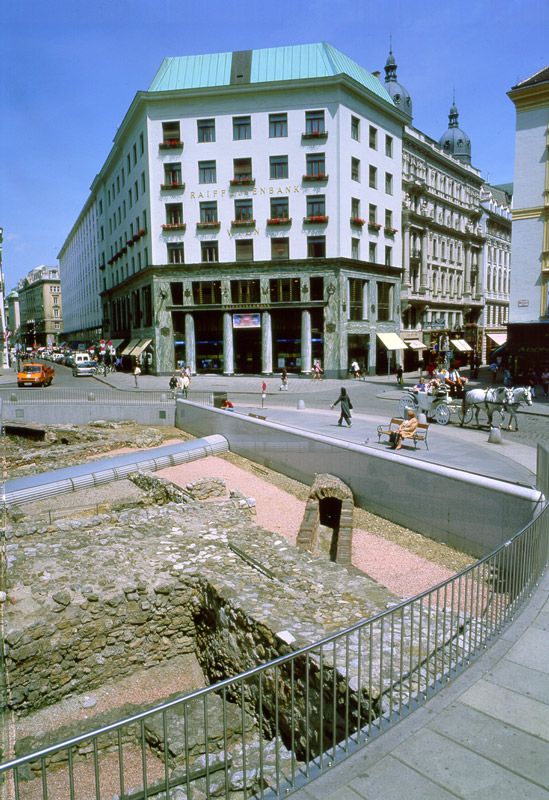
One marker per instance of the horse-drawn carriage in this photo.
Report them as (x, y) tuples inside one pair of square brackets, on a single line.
[(438, 405)]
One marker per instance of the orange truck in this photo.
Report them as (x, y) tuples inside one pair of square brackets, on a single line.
[(35, 375)]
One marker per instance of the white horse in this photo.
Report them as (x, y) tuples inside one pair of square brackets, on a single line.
[(490, 400), (522, 396)]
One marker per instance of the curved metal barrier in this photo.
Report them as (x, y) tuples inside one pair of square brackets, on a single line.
[(95, 473), (285, 722)]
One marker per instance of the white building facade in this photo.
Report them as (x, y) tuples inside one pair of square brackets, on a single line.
[(248, 217), (496, 223), (529, 296)]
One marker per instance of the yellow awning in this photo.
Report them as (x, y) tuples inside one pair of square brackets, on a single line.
[(498, 338), (415, 344), (461, 344), (392, 341), (143, 344), (129, 347)]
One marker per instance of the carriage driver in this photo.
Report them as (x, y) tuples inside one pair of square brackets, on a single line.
[(455, 382)]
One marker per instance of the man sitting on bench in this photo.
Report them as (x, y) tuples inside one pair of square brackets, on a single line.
[(406, 430)]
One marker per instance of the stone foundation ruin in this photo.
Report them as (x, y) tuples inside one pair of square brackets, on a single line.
[(328, 515)]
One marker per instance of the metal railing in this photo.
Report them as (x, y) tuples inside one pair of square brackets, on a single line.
[(271, 729)]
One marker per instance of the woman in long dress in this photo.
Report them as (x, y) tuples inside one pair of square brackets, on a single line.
[(345, 404)]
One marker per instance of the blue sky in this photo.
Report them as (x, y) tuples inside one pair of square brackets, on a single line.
[(69, 71)]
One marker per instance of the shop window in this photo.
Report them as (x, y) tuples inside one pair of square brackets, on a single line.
[(245, 292), (206, 292), (384, 297), (280, 248), (356, 288), (285, 290), (317, 288)]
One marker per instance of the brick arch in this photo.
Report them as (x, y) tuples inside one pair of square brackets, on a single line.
[(326, 487)]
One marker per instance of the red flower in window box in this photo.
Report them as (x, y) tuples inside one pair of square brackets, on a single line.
[(374, 226), (243, 223), (357, 221), (174, 226), (241, 181), (206, 225), (390, 231), (279, 221), (141, 232), (316, 219), (320, 176)]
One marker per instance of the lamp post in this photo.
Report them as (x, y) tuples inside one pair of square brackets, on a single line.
[(3, 332)]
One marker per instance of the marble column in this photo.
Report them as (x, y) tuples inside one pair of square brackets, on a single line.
[(467, 273), (228, 346), (306, 349), (406, 256), (190, 343), (423, 285), (365, 299), (266, 343)]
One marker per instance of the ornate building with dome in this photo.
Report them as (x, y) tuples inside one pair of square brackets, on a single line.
[(442, 297)]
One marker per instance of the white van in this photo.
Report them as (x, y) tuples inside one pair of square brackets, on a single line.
[(79, 358)]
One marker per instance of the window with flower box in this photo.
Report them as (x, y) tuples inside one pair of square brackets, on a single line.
[(206, 293), (278, 167), (208, 211), (243, 212), (314, 124), (206, 130), (280, 208), (207, 172), (280, 248), (242, 172), (174, 216), (316, 166), (175, 253), (171, 135), (316, 247), (278, 125), (244, 250), (316, 206), (209, 252), (285, 290), (242, 128), (172, 178)]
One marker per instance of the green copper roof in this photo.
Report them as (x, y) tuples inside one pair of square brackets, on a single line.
[(261, 66)]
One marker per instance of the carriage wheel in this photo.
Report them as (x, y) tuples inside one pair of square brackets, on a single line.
[(442, 414), (466, 417), (406, 404)]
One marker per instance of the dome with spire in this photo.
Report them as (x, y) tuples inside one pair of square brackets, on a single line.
[(399, 95), (455, 142)]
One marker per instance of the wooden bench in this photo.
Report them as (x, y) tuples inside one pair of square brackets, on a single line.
[(419, 436)]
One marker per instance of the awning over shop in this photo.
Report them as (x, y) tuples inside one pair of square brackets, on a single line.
[(114, 343), (392, 341), (415, 344), (129, 347), (498, 338), (143, 344), (461, 344)]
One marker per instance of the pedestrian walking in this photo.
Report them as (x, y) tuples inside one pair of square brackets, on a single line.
[(283, 380), (185, 383), (400, 375), (173, 384), (345, 407), (317, 370), (136, 373)]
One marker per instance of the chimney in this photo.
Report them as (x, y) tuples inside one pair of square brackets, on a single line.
[(376, 74)]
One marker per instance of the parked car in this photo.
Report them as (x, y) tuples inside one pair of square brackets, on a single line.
[(84, 368), (35, 375)]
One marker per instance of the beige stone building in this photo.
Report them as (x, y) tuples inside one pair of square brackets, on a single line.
[(40, 308)]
